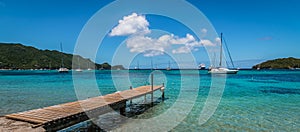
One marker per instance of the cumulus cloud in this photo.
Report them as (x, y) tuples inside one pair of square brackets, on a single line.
[(146, 45), (131, 24), (172, 39), (181, 50), (153, 47), (193, 46), (218, 41), (188, 39), (204, 30), (206, 42), (137, 27)]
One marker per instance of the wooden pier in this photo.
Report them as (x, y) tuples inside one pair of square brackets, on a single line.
[(64, 115)]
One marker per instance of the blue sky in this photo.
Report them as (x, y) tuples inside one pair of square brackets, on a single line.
[(255, 30)]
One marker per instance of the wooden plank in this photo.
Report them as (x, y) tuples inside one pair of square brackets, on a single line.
[(66, 110), (94, 100), (42, 115), (91, 107), (131, 94), (27, 119), (32, 115), (47, 113), (71, 103)]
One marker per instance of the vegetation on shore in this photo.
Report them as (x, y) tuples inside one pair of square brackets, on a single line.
[(18, 56), (281, 63)]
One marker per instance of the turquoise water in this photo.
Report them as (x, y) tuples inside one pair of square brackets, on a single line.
[(251, 101)]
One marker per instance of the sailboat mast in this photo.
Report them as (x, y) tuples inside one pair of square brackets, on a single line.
[(151, 64), (221, 50), (78, 62), (62, 58), (228, 53), (214, 62)]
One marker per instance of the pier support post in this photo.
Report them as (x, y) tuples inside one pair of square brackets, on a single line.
[(130, 99), (163, 92), (123, 108), (152, 89)]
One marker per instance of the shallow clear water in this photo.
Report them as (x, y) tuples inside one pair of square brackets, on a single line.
[(251, 101)]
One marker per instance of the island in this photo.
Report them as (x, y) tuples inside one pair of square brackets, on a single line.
[(280, 63), (17, 56)]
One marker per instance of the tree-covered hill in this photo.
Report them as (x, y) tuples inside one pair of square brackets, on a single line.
[(18, 56), (281, 63)]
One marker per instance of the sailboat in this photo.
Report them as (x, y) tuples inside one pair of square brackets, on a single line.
[(101, 68), (88, 66), (202, 66), (138, 66), (220, 69), (169, 67), (78, 69), (151, 64), (297, 68), (62, 69)]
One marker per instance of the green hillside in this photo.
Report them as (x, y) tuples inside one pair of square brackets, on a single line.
[(281, 63), (18, 56)]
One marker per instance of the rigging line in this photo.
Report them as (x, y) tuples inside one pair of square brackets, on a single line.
[(221, 51), (227, 63), (228, 52), (62, 55)]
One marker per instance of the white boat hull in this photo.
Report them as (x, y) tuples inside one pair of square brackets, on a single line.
[(222, 71), (78, 70), (202, 67), (63, 70)]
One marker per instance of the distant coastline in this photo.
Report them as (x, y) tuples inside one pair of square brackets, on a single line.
[(16, 56), (280, 63)]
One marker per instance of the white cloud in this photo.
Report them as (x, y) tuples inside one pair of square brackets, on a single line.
[(146, 45), (204, 30), (187, 48), (137, 27), (176, 40), (192, 46), (206, 42), (188, 39), (131, 24), (181, 50), (153, 47), (218, 41)]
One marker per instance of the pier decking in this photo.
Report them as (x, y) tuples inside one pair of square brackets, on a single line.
[(60, 116)]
